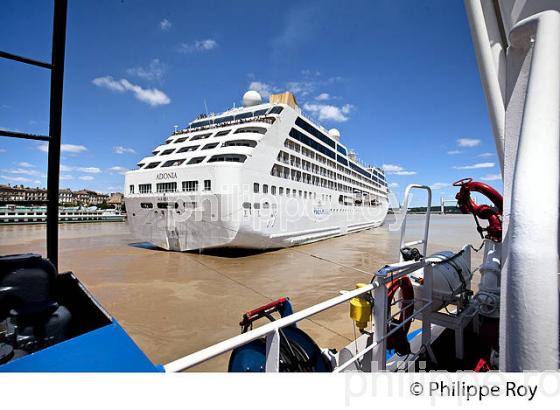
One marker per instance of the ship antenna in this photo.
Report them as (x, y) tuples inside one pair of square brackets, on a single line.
[(206, 107)]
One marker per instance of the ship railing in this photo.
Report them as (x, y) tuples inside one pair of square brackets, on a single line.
[(379, 327), (263, 118)]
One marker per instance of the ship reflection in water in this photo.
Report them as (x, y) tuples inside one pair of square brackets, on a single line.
[(174, 303)]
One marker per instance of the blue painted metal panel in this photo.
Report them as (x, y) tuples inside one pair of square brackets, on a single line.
[(107, 349)]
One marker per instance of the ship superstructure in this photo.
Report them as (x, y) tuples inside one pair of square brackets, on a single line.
[(259, 176)]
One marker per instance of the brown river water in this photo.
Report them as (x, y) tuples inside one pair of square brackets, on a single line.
[(173, 304)]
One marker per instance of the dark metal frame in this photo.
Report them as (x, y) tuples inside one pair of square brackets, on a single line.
[(55, 121)]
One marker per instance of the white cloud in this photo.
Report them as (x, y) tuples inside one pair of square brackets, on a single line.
[(86, 178), (123, 150), (155, 70), (26, 165), (453, 152), (87, 170), (198, 46), (323, 97), (24, 171), (393, 185), (439, 185), (151, 96), (2, 150), (390, 168), (118, 170), (468, 142), (15, 179), (491, 177), (301, 88), (485, 155), (396, 170), (477, 166), (76, 149), (329, 112), (263, 89), (66, 177), (165, 25)]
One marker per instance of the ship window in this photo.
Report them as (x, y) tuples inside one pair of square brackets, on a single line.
[(224, 119), (247, 205), (163, 205), (256, 188), (199, 124), (166, 187), (243, 116), (210, 146), (288, 191), (299, 192), (305, 194), (190, 186), (258, 130), (179, 140), (222, 133), (169, 141), (207, 185), (196, 160), (167, 151), (200, 137), (240, 143), (301, 137), (146, 205), (256, 205), (315, 132), (188, 149), (145, 188), (280, 190), (190, 205), (266, 205), (152, 165), (140, 165), (273, 190), (155, 152), (173, 163), (265, 189), (228, 158), (276, 110), (131, 189), (260, 112)]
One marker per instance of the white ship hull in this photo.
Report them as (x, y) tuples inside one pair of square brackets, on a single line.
[(223, 221)]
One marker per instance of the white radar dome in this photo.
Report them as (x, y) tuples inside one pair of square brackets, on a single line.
[(251, 98), (334, 133)]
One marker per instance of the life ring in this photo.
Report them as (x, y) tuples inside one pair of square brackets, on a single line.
[(398, 339), (492, 214)]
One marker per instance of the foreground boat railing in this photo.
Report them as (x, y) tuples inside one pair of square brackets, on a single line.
[(380, 321)]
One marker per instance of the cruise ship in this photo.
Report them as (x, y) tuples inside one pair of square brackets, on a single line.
[(258, 176)]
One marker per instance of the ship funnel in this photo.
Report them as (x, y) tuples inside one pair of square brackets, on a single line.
[(284, 98), (251, 98)]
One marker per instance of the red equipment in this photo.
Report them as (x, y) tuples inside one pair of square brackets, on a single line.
[(492, 214), (398, 340)]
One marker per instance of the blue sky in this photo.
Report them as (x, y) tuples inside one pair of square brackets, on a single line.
[(397, 78)]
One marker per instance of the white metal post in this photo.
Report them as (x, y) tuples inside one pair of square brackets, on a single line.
[(426, 314), (380, 311), (273, 352)]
